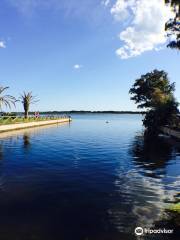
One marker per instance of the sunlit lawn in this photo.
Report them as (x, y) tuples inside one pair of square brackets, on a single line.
[(5, 121)]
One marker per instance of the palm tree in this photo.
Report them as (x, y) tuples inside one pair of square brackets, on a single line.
[(27, 99), (6, 100)]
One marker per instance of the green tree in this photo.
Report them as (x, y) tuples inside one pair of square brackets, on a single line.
[(155, 93), (173, 25), (27, 99), (6, 100)]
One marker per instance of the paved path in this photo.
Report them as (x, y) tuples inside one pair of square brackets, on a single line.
[(16, 126)]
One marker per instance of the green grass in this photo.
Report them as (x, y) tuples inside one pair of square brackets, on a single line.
[(5, 121), (174, 207)]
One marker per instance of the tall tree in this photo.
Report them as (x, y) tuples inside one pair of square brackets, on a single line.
[(173, 25), (6, 100), (27, 99), (155, 93)]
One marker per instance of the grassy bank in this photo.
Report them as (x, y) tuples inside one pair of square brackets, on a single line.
[(13, 120)]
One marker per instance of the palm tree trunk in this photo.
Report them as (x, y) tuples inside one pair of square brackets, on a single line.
[(26, 114), (26, 109)]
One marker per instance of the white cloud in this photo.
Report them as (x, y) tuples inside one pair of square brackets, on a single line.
[(146, 28), (77, 66), (2, 44), (120, 9)]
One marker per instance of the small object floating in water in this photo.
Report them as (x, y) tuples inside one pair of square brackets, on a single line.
[(107, 121)]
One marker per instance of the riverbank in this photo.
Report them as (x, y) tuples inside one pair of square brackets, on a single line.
[(17, 126), (171, 132)]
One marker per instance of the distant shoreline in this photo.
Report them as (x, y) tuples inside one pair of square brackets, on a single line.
[(86, 112)]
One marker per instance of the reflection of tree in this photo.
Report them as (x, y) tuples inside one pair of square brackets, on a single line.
[(26, 139), (145, 191), (1, 151), (151, 153), (1, 164)]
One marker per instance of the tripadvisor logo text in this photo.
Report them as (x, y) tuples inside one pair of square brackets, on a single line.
[(140, 231)]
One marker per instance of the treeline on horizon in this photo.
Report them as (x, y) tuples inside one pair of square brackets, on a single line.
[(85, 112)]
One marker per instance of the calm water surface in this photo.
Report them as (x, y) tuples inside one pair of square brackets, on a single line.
[(88, 180)]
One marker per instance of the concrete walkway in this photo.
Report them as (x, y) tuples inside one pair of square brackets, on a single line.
[(16, 126)]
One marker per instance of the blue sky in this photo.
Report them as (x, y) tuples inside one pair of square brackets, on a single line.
[(82, 54)]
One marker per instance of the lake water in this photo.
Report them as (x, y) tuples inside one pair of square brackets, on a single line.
[(87, 180)]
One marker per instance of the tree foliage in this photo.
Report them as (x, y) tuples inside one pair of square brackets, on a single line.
[(151, 89), (173, 25), (154, 92), (27, 99), (6, 100)]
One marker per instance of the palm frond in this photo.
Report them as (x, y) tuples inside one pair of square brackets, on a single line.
[(27, 99), (6, 100)]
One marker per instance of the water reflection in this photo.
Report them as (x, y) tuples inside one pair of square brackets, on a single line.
[(148, 188), (89, 181), (26, 140), (1, 151), (153, 157), (151, 154)]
